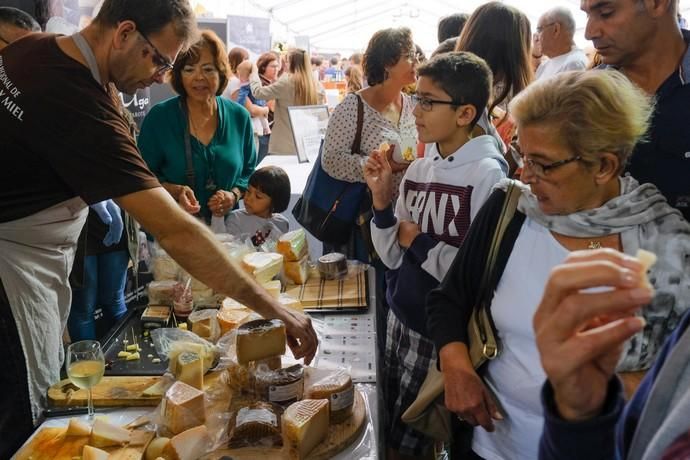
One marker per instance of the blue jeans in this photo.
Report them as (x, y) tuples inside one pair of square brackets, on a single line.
[(263, 148), (105, 276)]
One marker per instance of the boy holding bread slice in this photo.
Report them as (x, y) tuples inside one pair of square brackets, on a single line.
[(419, 236)]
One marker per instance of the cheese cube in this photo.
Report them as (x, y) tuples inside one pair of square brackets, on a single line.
[(183, 407), (204, 323), (190, 369), (260, 339), (92, 453), (191, 444), (298, 272), (293, 245), (104, 434), (262, 265), (305, 425), (647, 259), (206, 353)]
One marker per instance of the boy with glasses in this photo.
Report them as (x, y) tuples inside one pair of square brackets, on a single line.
[(439, 196)]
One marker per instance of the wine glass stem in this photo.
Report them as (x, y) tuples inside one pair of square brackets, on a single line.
[(91, 412)]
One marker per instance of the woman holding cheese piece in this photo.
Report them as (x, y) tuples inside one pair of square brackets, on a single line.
[(576, 132)]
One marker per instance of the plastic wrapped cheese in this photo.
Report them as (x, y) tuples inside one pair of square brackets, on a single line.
[(230, 319), (298, 272), (338, 389), (293, 245), (183, 408), (204, 323), (165, 268), (190, 444), (260, 339), (281, 386), (256, 424)]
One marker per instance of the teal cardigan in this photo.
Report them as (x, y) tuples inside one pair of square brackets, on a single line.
[(162, 146)]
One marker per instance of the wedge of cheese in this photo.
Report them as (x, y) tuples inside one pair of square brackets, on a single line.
[(298, 272), (190, 369), (204, 323), (183, 407), (260, 339), (340, 393), (156, 448), (293, 245), (77, 427), (305, 425), (93, 453), (104, 434), (206, 353), (647, 259), (188, 445), (263, 266)]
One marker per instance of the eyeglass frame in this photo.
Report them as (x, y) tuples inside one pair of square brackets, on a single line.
[(541, 170), (540, 29), (422, 101), (3, 39), (166, 65), (413, 56)]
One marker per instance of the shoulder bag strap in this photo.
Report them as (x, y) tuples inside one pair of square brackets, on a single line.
[(507, 212), (189, 172)]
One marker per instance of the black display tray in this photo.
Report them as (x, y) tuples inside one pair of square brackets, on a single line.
[(114, 343)]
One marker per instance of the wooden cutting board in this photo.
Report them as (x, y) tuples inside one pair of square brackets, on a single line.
[(53, 443), (110, 392), (339, 437), (321, 293)]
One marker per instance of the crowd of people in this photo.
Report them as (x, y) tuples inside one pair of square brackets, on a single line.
[(596, 147)]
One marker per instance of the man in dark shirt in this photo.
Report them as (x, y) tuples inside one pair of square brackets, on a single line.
[(643, 40), (65, 144)]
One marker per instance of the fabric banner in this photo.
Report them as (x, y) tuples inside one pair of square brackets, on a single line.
[(251, 33)]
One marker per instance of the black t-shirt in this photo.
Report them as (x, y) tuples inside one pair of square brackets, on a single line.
[(61, 133)]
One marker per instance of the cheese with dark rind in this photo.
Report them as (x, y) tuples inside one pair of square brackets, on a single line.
[(183, 407), (260, 339), (190, 369), (281, 386), (305, 425), (255, 423)]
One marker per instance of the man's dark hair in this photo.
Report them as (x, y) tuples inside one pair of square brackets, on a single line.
[(274, 182), (18, 18), (334, 61), (465, 77), (356, 58), (385, 49), (151, 16), (316, 60), (446, 46), (451, 26)]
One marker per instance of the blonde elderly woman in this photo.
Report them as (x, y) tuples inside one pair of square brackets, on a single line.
[(576, 132)]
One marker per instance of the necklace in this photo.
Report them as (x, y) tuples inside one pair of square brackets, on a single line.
[(594, 245), (196, 130)]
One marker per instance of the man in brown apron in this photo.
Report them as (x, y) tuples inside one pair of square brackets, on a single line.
[(64, 144)]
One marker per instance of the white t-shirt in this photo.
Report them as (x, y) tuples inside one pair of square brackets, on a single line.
[(233, 85), (517, 375), (573, 60)]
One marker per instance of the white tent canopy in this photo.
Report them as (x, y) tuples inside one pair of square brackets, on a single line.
[(346, 26)]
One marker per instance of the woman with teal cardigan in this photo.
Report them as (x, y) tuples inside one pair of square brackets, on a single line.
[(218, 132)]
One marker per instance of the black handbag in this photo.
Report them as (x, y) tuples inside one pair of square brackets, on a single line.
[(329, 208)]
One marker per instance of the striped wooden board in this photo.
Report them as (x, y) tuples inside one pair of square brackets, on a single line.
[(322, 294)]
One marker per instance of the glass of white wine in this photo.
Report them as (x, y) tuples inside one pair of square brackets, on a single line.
[(85, 367)]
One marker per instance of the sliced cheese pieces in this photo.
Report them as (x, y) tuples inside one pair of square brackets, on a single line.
[(183, 407), (104, 434), (293, 245), (230, 319), (260, 339), (77, 427), (305, 425), (93, 453), (188, 445), (262, 265)]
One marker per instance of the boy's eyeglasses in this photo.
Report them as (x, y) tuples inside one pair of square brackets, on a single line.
[(162, 64), (427, 104)]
